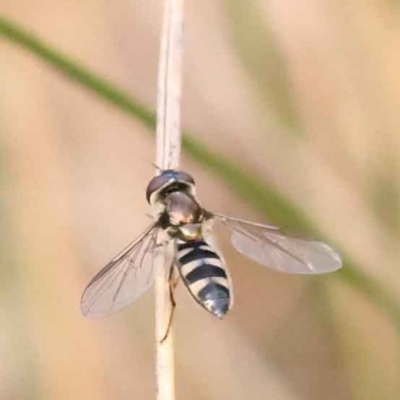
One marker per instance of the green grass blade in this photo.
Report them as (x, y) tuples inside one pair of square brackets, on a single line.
[(261, 57), (73, 70)]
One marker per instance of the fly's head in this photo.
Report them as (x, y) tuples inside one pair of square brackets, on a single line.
[(169, 181)]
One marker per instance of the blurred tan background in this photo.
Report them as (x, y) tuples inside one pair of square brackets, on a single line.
[(304, 94)]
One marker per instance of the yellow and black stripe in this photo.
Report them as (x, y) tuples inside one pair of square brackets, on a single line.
[(204, 274)]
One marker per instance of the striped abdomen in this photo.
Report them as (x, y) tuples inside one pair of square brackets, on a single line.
[(204, 274)]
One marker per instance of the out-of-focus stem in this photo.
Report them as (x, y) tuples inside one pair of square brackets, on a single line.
[(168, 152)]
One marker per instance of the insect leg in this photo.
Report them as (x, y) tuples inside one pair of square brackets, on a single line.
[(173, 282), (174, 278)]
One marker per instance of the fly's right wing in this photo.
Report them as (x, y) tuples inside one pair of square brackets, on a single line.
[(269, 246), (125, 278)]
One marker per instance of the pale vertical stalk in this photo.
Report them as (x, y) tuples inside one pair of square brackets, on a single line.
[(169, 87), (168, 152)]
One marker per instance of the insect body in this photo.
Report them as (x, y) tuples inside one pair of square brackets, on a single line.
[(172, 196), (204, 274), (187, 225)]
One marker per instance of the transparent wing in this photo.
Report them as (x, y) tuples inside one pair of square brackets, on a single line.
[(126, 277), (270, 247)]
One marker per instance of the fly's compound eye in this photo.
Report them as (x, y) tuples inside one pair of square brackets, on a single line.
[(156, 184), (167, 178), (184, 177)]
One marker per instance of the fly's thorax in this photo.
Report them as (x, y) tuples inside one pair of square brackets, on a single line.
[(180, 215), (186, 232), (189, 232), (183, 215), (182, 208)]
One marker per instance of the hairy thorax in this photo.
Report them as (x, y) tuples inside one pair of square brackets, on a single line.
[(181, 215)]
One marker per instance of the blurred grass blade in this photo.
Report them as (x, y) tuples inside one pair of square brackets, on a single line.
[(267, 200), (73, 70), (261, 57), (384, 196)]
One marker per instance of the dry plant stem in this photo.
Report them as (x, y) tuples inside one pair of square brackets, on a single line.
[(168, 152)]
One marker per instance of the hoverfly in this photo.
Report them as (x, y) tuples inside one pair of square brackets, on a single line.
[(178, 214)]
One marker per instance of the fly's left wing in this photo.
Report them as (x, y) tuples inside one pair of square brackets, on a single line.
[(269, 246), (126, 277)]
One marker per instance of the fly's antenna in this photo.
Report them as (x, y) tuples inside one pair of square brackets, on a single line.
[(159, 169), (167, 157)]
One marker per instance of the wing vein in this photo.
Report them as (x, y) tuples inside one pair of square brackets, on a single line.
[(278, 250), (123, 279)]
